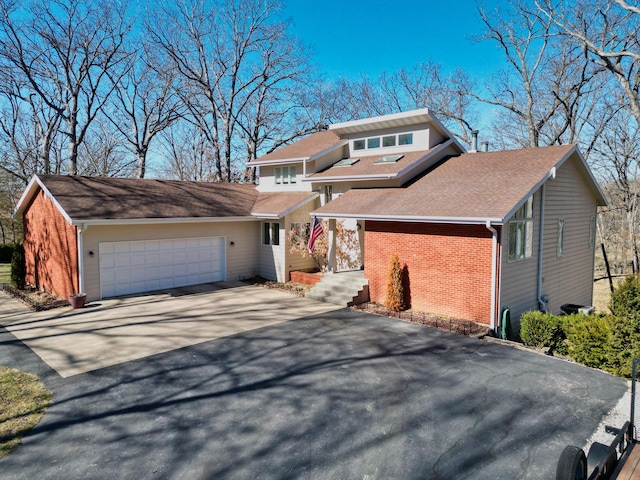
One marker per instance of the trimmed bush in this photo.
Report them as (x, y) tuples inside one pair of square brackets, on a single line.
[(18, 267), (589, 340), (395, 296), (625, 299), (540, 329), (6, 252)]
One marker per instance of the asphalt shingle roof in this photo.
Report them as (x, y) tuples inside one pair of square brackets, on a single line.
[(91, 198), (472, 185)]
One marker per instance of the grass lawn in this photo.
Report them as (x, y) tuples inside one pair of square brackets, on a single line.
[(23, 401), (5, 272)]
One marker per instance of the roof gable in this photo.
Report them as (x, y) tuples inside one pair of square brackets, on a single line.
[(314, 144)]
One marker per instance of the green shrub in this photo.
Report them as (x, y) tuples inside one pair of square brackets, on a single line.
[(589, 340), (18, 267), (540, 329), (625, 299), (6, 252)]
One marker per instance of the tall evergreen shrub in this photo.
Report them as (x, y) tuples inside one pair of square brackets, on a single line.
[(395, 295), (18, 267)]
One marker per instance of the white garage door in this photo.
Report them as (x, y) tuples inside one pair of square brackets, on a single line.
[(142, 266)]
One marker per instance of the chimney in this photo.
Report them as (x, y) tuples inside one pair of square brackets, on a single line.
[(485, 146), (474, 141)]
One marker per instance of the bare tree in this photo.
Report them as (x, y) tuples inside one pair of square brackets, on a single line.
[(186, 152), (63, 51), (145, 102), (608, 30), (236, 60), (547, 90)]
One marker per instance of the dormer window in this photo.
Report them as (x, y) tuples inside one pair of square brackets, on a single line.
[(285, 175), (385, 141), (373, 142), (389, 141), (405, 139)]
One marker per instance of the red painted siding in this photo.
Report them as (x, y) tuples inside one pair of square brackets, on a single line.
[(51, 249), (448, 266)]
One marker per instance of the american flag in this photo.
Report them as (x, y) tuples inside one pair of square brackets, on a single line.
[(316, 231)]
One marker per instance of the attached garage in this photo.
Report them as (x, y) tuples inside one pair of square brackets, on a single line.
[(142, 266)]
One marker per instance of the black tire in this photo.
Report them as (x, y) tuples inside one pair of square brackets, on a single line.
[(572, 464)]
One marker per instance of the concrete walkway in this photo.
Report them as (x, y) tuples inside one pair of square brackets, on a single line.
[(110, 332)]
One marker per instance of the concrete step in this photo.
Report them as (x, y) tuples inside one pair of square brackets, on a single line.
[(344, 288)]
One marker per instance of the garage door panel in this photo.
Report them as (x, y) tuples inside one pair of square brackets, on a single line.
[(139, 266)]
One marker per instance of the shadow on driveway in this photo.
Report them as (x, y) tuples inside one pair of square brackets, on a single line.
[(337, 395)]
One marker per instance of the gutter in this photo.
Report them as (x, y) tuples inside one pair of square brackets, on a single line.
[(152, 221), (81, 228), (412, 219), (541, 303), (494, 268)]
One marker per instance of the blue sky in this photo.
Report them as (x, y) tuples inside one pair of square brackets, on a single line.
[(350, 38)]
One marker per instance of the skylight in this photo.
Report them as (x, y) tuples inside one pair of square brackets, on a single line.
[(346, 162), (389, 159)]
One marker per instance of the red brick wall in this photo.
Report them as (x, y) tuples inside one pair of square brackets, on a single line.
[(51, 249), (449, 266)]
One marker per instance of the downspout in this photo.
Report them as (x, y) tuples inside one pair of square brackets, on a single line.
[(542, 304), (81, 228), (494, 268)]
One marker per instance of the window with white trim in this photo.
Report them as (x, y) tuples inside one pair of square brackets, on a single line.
[(521, 232), (271, 233), (560, 246), (592, 232), (286, 175), (385, 141)]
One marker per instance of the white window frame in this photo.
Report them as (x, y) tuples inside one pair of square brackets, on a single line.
[(561, 234), (271, 233), (520, 233), (408, 137), (285, 175)]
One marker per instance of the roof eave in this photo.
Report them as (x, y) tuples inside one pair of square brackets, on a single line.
[(413, 218), (257, 162), (32, 187), (287, 211), (150, 221)]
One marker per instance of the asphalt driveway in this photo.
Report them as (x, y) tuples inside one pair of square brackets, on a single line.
[(337, 395)]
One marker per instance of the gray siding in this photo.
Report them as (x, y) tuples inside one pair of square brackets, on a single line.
[(519, 279), (565, 279), (568, 279)]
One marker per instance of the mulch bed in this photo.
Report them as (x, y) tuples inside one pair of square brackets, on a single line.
[(293, 288), (449, 324), (36, 300)]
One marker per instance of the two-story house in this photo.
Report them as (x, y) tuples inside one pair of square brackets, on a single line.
[(478, 232)]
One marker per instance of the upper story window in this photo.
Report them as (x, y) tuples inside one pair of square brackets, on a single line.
[(373, 142), (385, 141), (405, 139), (286, 175), (521, 232)]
